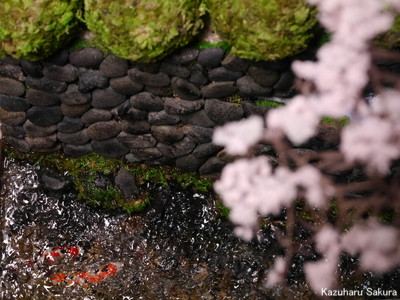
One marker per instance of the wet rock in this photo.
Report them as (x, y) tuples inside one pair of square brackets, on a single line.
[(183, 56), (80, 137), (96, 115), (219, 89), (285, 82), (74, 97), (32, 68), (44, 116), (183, 147), (206, 150), (158, 79), (19, 144), (90, 80), (184, 89), (147, 101), (42, 98), (125, 86), (189, 163), (106, 98), (146, 154), (249, 88), (223, 74), (110, 148), (210, 57), (177, 106), (235, 63), (201, 135), (222, 112), (197, 75), (12, 103), (198, 118), (70, 125), (12, 118), (252, 109), (167, 134), (12, 71), (136, 141), (135, 114), (135, 127), (103, 130), (126, 182), (67, 73), (163, 118), (77, 150), (46, 84), (14, 131), (42, 143), (263, 76), (175, 70), (60, 58), (88, 57), (11, 87), (38, 131), (162, 91), (74, 111), (211, 166), (113, 66)]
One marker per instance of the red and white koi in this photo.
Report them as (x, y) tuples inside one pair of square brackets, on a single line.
[(56, 253)]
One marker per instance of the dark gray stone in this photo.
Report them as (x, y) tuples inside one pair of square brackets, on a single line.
[(113, 66), (201, 135), (158, 79), (135, 114), (183, 147), (167, 134), (54, 182), (42, 98), (46, 84), (106, 98), (249, 88), (165, 150), (9, 60), (19, 144), (38, 131), (235, 63), (184, 89), (125, 86), (198, 75), (210, 57), (14, 131), (252, 109), (198, 118), (121, 110), (13, 118), (32, 68), (11, 87), (222, 112), (46, 143), (67, 73), (177, 106), (264, 77), (90, 80), (73, 96), (130, 158), (12, 103), (147, 101), (162, 118), (126, 182), (135, 127), (150, 67), (189, 163), (70, 125), (80, 137), (223, 74), (212, 166), (175, 70), (285, 82), (44, 116), (136, 141), (276, 65), (77, 150), (206, 150), (59, 58), (12, 71), (104, 130), (74, 111), (183, 56), (88, 57), (110, 148), (162, 91), (219, 89), (146, 154), (96, 115)]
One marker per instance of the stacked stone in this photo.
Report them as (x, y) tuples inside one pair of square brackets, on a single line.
[(159, 113)]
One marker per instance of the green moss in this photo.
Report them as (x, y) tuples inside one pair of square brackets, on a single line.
[(145, 30), (35, 29), (222, 209), (263, 29), (341, 122), (390, 39), (269, 103), (206, 45)]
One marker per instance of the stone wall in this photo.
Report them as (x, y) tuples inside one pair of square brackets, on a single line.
[(156, 113)]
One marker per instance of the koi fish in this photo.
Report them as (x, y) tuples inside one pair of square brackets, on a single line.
[(88, 277), (50, 255)]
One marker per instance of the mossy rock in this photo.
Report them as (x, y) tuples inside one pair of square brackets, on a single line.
[(35, 29), (263, 29), (390, 39), (144, 30)]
